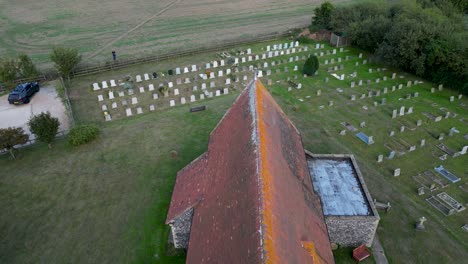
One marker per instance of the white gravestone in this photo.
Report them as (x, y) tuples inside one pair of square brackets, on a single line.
[(104, 85), (128, 111), (96, 87)]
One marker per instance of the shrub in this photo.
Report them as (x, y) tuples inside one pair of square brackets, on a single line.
[(44, 126), (311, 65), (10, 137), (82, 134)]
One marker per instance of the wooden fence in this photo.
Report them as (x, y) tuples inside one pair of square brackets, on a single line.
[(88, 70)]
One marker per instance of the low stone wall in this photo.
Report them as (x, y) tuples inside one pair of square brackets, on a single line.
[(180, 229), (352, 231)]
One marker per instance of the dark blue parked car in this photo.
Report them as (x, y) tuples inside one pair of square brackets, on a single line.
[(22, 93)]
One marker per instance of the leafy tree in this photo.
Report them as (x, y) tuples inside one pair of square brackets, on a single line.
[(44, 126), (27, 69), (8, 70), (368, 34), (65, 59), (322, 15), (10, 137), (311, 65)]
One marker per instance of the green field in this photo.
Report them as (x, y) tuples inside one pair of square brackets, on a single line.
[(106, 202), (141, 27)]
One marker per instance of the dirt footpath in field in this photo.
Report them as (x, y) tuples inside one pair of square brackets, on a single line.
[(45, 100)]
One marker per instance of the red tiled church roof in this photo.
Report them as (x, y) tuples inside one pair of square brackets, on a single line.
[(251, 192)]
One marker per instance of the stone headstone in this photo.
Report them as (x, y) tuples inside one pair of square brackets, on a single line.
[(441, 87), (176, 91), (319, 92), (392, 133), (441, 136), (139, 110), (402, 129), (134, 100), (394, 113), (155, 96), (421, 190), (452, 98), (422, 143), (410, 110), (396, 172), (391, 155), (128, 111), (152, 108), (182, 100), (464, 150), (380, 158), (412, 148), (100, 98), (402, 111), (171, 103)]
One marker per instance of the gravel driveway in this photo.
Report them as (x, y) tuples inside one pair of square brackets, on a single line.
[(45, 100)]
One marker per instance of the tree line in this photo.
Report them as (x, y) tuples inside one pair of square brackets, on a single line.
[(425, 37), (64, 59)]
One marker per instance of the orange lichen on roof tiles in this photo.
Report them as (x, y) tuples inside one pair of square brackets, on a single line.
[(286, 219), (251, 192)]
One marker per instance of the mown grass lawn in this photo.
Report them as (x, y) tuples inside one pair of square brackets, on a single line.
[(104, 202)]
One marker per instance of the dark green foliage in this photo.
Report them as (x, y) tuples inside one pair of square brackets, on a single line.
[(311, 65), (44, 126), (305, 40), (27, 69), (65, 59), (82, 134), (425, 37), (322, 15), (8, 70), (12, 136)]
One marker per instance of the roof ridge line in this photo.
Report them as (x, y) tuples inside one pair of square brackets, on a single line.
[(252, 90)]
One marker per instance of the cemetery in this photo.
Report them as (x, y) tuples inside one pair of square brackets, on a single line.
[(408, 136)]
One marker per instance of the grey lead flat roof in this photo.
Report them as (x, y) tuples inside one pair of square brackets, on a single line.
[(337, 184)]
